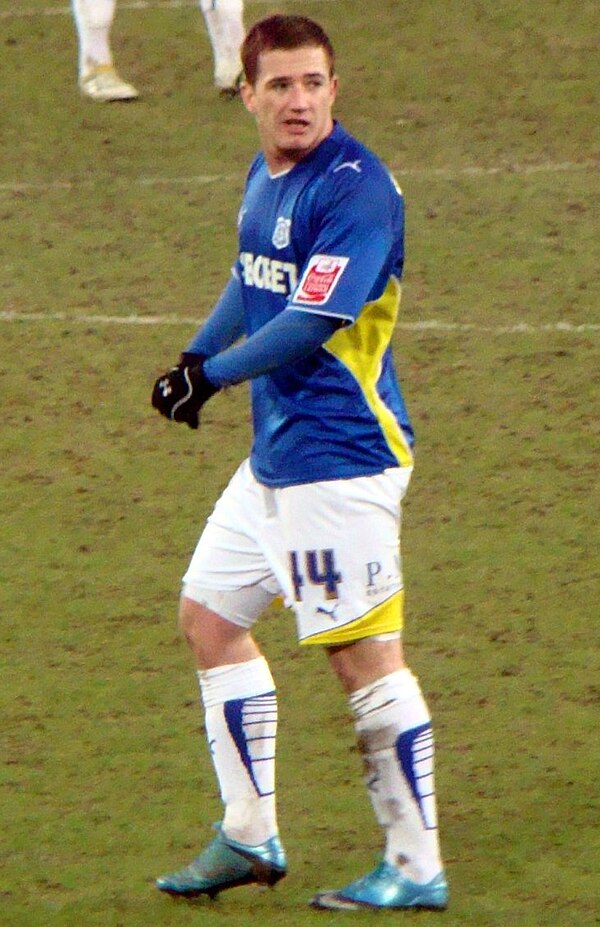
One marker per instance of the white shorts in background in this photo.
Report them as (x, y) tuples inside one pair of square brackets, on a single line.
[(330, 549)]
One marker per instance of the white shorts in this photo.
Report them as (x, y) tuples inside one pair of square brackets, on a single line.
[(330, 550)]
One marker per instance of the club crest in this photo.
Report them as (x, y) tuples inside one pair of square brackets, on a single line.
[(282, 233)]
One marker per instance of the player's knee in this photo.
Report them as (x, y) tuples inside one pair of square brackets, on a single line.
[(213, 638), (190, 619), (359, 663)]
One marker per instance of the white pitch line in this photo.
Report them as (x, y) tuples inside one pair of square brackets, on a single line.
[(18, 186), (31, 186), (550, 167), (430, 325), (525, 328)]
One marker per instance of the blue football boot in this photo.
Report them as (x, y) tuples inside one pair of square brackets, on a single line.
[(385, 887), (224, 864)]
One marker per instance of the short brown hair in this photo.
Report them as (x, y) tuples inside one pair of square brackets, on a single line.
[(286, 32)]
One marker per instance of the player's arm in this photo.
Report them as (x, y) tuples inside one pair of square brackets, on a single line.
[(287, 338), (290, 336), (358, 245), (224, 325), (180, 392), (358, 221)]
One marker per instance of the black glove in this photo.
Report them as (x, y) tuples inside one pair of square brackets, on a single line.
[(182, 391)]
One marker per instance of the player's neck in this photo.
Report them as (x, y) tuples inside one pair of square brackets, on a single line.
[(281, 160)]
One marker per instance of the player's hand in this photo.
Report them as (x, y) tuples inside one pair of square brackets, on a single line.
[(180, 393)]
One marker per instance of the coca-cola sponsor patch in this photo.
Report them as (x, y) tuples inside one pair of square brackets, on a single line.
[(320, 279)]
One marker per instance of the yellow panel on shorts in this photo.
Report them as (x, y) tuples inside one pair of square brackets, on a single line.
[(383, 619)]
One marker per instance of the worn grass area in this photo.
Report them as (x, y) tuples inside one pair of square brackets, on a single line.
[(489, 118)]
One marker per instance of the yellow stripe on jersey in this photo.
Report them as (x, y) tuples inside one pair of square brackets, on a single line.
[(360, 348), (383, 619)]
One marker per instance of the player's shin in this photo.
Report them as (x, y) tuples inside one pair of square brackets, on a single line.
[(241, 724), (396, 741)]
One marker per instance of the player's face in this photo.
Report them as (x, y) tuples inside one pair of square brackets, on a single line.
[(291, 101)]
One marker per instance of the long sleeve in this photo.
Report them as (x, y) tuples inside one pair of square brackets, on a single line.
[(224, 325), (288, 337)]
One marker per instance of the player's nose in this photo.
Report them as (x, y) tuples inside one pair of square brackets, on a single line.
[(298, 97)]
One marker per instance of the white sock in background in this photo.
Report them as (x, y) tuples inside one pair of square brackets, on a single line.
[(93, 21), (225, 26)]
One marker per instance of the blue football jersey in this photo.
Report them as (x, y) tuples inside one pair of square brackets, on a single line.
[(326, 236)]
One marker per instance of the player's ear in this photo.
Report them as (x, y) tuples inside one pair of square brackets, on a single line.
[(248, 96), (334, 84)]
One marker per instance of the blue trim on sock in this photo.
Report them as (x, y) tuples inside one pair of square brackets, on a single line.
[(234, 718), (408, 746)]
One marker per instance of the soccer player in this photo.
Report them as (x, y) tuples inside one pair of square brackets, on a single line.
[(98, 78), (314, 513)]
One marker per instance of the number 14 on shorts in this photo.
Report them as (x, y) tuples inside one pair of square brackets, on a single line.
[(316, 567)]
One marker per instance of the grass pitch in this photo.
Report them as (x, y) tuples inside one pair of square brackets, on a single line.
[(118, 232)]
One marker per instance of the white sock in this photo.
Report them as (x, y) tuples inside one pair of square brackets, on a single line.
[(93, 21), (240, 707), (395, 738), (225, 26)]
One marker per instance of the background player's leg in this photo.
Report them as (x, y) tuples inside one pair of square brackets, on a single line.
[(93, 21), (225, 27), (98, 79)]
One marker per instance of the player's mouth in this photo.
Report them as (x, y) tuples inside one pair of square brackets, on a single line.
[(296, 126)]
